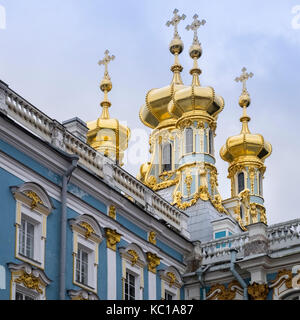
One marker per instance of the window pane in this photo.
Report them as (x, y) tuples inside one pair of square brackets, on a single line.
[(241, 182), (129, 287), (26, 238), (82, 267), (167, 157)]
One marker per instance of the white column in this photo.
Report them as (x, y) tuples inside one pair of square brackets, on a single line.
[(152, 285), (111, 275)]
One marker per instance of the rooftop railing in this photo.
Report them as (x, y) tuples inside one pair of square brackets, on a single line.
[(50, 130)]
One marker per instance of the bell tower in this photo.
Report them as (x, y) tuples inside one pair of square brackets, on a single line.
[(184, 120)]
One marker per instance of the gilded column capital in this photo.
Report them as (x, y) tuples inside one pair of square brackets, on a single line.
[(153, 261), (258, 291), (112, 238)]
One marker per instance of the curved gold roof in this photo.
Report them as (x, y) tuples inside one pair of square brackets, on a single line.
[(196, 98)]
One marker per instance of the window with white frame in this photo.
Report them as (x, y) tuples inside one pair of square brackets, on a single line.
[(86, 239), (133, 263), (32, 209), (26, 238), (82, 266), (170, 284)]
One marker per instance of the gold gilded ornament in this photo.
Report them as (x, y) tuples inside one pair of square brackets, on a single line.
[(153, 261), (112, 238), (35, 199), (172, 277), (88, 229), (134, 257), (30, 282), (152, 237), (258, 291), (112, 212)]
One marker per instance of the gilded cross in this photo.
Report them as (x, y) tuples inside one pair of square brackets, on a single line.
[(244, 77), (174, 22), (106, 60), (195, 26)]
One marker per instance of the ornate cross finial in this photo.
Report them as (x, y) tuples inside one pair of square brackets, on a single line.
[(106, 60), (195, 26), (243, 78), (174, 22)]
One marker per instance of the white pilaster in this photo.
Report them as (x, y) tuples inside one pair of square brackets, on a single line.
[(152, 285), (111, 275)]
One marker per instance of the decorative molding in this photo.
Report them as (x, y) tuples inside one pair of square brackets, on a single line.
[(82, 295)]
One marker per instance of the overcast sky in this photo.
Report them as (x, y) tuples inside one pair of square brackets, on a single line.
[(49, 52)]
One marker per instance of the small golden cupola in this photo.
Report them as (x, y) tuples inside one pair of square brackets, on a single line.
[(105, 134), (245, 154), (154, 113)]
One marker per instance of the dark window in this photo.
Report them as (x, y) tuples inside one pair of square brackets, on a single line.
[(188, 140), (167, 157), (241, 182), (129, 287), (22, 296), (168, 296)]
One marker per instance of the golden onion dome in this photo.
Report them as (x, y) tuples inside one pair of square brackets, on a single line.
[(246, 145), (195, 99), (105, 134), (155, 112)]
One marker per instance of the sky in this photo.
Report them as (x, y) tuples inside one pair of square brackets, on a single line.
[(49, 53)]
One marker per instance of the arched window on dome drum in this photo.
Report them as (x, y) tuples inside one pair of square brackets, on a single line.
[(241, 182), (210, 137), (188, 140), (260, 184), (166, 157)]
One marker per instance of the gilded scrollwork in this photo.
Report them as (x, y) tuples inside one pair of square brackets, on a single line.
[(30, 282), (220, 292)]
